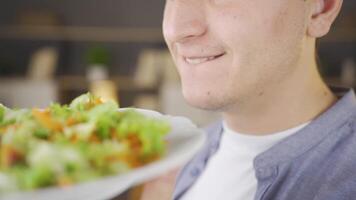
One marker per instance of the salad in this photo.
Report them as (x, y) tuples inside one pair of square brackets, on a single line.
[(67, 144)]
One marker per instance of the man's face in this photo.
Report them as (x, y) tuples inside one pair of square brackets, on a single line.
[(229, 51)]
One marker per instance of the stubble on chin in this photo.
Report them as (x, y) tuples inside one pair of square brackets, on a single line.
[(209, 101)]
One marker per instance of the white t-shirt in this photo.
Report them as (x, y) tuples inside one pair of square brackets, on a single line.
[(229, 174)]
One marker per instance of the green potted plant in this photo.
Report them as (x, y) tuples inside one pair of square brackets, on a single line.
[(97, 58)]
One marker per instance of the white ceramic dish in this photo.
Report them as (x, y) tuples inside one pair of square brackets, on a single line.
[(184, 141)]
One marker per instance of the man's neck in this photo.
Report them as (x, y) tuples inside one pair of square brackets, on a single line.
[(299, 99)]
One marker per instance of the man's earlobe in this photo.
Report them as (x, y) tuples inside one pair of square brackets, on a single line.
[(323, 15)]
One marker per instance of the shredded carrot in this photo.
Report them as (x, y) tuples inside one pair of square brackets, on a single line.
[(71, 121), (74, 138), (9, 155), (113, 134), (64, 181), (94, 138), (44, 117), (6, 128)]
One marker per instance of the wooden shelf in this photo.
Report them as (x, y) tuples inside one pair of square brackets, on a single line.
[(70, 87), (114, 34), (124, 83), (80, 83), (82, 34)]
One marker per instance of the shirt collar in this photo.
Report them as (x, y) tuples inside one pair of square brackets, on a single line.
[(254, 144), (335, 117)]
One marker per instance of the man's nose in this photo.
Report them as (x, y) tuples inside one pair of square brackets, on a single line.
[(184, 20)]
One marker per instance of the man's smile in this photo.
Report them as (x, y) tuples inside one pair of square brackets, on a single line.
[(195, 60)]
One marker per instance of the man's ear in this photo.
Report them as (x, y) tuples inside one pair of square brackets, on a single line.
[(323, 14)]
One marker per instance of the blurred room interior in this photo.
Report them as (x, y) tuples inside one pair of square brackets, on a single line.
[(53, 51)]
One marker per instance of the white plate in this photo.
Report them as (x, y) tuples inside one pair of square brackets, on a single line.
[(185, 140)]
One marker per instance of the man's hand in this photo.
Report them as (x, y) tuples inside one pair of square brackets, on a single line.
[(161, 188)]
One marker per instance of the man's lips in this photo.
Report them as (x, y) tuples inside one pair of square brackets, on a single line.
[(195, 60)]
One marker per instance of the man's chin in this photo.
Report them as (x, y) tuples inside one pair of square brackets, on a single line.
[(204, 103)]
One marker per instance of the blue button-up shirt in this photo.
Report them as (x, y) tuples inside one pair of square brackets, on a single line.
[(318, 162)]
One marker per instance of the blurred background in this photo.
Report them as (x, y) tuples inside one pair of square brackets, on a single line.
[(53, 51)]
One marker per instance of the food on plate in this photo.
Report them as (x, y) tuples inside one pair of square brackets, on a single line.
[(65, 144)]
